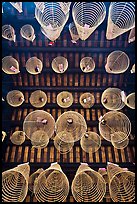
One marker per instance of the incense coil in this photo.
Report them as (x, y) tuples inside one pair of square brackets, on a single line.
[(119, 140), (133, 69), (121, 18), (64, 99), (15, 183), (88, 185), (39, 139), (27, 32), (87, 64), (34, 65), (73, 32), (8, 32), (10, 65), (87, 100), (112, 122), (51, 185), (130, 100), (15, 98), (131, 37), (73, 123), (3, 135), (18, 137), (65, 6), (38, 99), (104, 174), (117, 62), (17, 5), (84, 21), (59, 64)]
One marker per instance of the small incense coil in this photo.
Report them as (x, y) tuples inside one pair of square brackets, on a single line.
[(73, 123), (119, 140), (131, 37), (87, 64), (39, 139), (27, 32), (104, 174), (88, 185), (34, 65), (8, 33), (130, 100), (87, 100), (17, 5), (3, 135), (133, 69), (51, 185), (59, 64), (38, 99), (117, 62), (90, 142), (65, 6), (15, 183), (73, 32), (64, 99), (10, 65), (15, 98), (18, 137), (121, 18)]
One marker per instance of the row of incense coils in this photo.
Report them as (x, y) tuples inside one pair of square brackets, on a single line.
[(52, 185)]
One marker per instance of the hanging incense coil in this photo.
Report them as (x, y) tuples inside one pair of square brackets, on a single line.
[(65, 6), (10, 65), (17, 5), (119, 140), (88, 185), (104, 174), (73, 123), (27, 32), (39, 139), (131, 37), (64, 99), (133, 69), (18, 137), (59, 64), (121, 18), (38, 99), (8, 33), (90, 142), (3, 135), (15, 98), (51, 185), (87, 64), (117, 62), (130, 100), (34, 65), (73, 32), (15, 183), (84, 21), (121, 184), (87, 100), (114, 122)]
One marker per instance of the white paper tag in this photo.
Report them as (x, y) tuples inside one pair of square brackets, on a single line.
[(83, 163), (100, 118), (86, 26), (52, 164), (123, 96)]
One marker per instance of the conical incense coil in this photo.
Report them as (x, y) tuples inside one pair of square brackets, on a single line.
[(119, 140), (15, 183), (10, 65), (59, 64), (18, 137), (122, 184), (87, 17), (133, 69), (131, 37), (87, 64), (121, 18), (73, 32), (104, 174), (39, 120), (87, 100), (51, 185), (8, 32), (27, 32), (114, 122), (88, 185), (17, 5), (15, 98), (65, 6), (64, 99), (39, 139), (90, 142), (3, 135), (112, 99), (117, 62), (38, 99), (130, 100), (73, 123), (34, 65)]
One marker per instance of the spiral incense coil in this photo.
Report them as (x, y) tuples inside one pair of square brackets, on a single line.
[(15, 98), (73, 123), (51, 185), (18, 137), (34, 65), (64, 99), (15, 183), (133, 69), (39, 139), (87, 64), (17, 5), (8, 33), (87, 17), (117, 62), (65, 6), (121, 184), (87, 100), (39, 120), (131, 37), (59, 64), (104, 174), (88, 185), (3, 135), (27, 32), (73, 32), (119, 140), (121, 18), (114, 122), (130, 100), (10, 65), (38, 99), (90, 142)]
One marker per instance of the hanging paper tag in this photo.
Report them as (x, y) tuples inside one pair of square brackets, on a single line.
[(14, 38), (66, 99), (103, 169), (12, 68), (86, 26), (100, 118), (73, 41), (34, 36), (83, 163), (123, 96), (61, 68), (52, 164)]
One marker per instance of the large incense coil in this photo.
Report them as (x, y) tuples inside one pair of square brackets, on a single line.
[(64, 99), (104, 174), (38, 99), (71, 122), (90, 142), (121, 184), (34, 65), (87, 100), (59, 64), (10, 65), (121, 18), (73, 32), (17, 5), (65, 6), (87, 64), (133, 69), (88, 185), (15, 98), (8, 32), (39, 120), (51, 185), (114, 122), (87, 17), (130, 100), (18, 137), (117, 62), (119, 140), (131, 37), (15, 183), (3, 135), (39, 139), (27, 32)]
